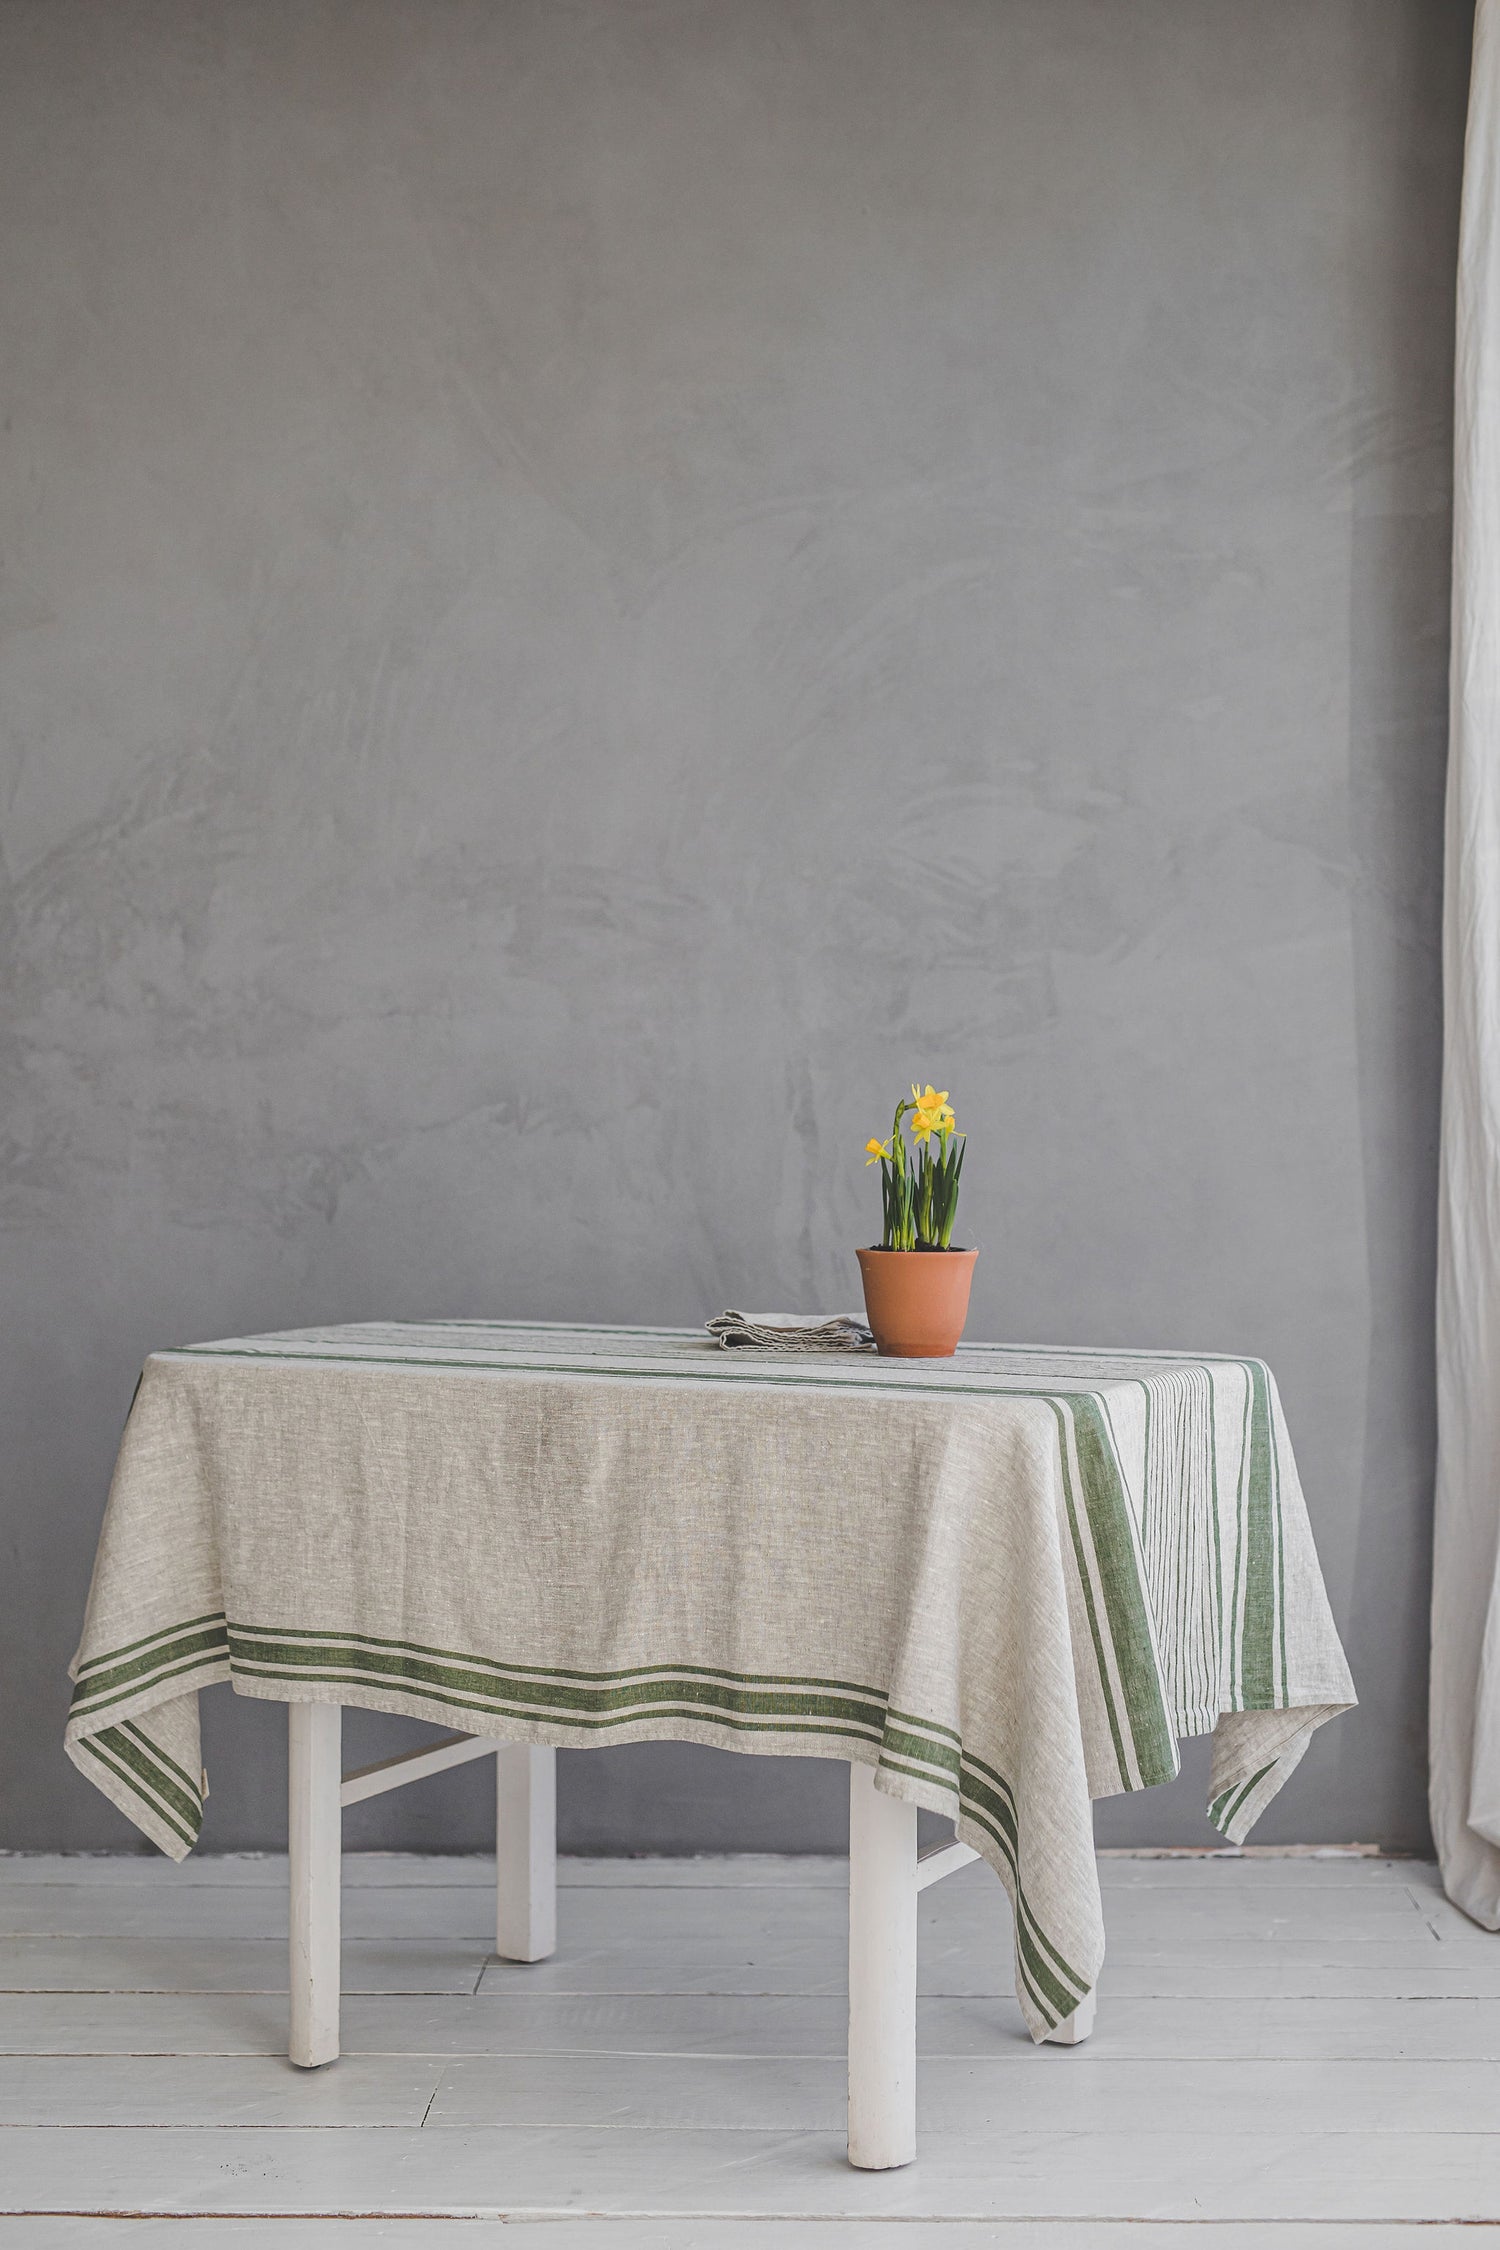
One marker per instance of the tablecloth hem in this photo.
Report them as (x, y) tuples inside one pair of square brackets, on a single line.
[(90, 1755), (1246, 1777)]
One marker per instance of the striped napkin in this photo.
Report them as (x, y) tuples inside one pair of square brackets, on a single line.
[(791, 1332)]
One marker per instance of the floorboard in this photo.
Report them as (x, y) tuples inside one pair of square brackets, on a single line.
[(227, 1964), (130, 2023), (1182, 2174), (204, 2090), (721, 2234), (589, 1919)]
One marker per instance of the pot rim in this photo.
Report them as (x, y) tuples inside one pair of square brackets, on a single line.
[(922, 1250)]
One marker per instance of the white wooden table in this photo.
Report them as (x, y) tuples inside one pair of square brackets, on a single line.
[(885, 1876)]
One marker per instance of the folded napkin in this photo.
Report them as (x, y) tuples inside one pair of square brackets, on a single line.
[(792, 1332)]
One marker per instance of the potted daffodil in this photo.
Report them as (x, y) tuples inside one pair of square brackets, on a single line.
[(917, 1282)]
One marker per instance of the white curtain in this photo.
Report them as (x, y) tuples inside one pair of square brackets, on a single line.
[(1465, 1720)]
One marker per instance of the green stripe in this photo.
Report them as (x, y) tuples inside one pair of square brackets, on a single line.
[(1222, 1814), (189, 1781), (250, 1648), (939, 1762), (586, 1708), (554, 1671), (1085, 1581), (1044, 1995), (998, 1793), (1286, 1692), (168, 1632), (728, 1367), (1052, 2000), (986, 1792), (513, 1328), (142, 1757), (1236, 1630), (1213, 1482), (151, 1810), (140, 1775), (493, 1708), (1108, 1509), (987, 1796), (1258, 1652), (928, 1726), (188, 1655), (1124, 1594), (209, 1667)]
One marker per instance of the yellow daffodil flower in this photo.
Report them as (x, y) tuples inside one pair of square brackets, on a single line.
[(874, 1151), (930, 1113)]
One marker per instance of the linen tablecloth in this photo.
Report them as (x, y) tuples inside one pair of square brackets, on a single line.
[(1009, 1580)]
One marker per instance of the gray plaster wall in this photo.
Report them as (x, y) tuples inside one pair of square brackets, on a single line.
[(592, 585)]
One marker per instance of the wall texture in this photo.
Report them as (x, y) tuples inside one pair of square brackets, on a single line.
[(590, 586)]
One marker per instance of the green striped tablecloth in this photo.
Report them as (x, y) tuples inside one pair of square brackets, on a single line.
[(1009, 1580)]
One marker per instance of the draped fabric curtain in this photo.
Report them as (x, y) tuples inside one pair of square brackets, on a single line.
[(1465, 1710)]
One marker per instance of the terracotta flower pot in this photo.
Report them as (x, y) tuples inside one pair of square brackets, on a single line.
[(917, 1301)]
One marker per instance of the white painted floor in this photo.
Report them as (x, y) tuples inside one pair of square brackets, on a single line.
[(1290, 2052)]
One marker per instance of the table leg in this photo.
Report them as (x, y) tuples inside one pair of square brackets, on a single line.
[(314, 1844), (882, 1976), (1074, 2029), (525, 1852)]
